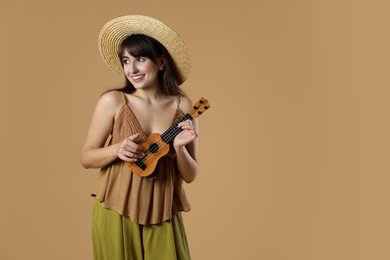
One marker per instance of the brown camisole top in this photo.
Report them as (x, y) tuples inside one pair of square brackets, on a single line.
[(144, 200)]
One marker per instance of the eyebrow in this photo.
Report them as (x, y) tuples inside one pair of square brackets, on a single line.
[(128, 57)]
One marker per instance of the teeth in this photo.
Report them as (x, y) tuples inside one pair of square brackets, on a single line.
[(136, 77)]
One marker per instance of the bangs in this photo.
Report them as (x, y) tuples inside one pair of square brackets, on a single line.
[(138, 45)]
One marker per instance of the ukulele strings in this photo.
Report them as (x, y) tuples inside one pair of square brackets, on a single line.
[(171, 132)]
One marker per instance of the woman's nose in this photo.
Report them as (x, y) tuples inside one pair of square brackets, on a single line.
[(133, 68)]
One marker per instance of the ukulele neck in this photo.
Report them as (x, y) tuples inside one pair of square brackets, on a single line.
[(171, 133)]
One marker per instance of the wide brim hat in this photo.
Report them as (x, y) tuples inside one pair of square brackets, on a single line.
[(116, 30)]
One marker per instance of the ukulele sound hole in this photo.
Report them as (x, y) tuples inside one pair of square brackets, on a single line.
[(153, 148)]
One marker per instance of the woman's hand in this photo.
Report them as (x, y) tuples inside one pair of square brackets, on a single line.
[(187, 135), (129, 150)]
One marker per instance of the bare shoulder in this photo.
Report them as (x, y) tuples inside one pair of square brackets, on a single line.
[(111, 100), (185, 104)]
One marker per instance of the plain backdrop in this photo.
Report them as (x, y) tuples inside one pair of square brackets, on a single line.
[(294, 152)]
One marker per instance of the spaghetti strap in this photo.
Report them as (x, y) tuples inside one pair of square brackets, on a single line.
[(178, 102), (124, 98)]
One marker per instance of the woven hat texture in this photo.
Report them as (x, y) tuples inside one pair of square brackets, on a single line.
[(116, 30)]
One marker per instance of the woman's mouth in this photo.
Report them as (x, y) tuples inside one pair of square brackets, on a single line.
[(137, 78)]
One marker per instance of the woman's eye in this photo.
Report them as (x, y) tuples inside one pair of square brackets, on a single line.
[(141, 59), (125, 61)]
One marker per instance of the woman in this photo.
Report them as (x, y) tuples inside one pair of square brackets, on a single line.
[(139, 217)]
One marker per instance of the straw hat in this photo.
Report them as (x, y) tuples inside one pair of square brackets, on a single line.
[(116, 30)]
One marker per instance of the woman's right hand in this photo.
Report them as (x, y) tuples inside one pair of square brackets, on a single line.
[(129, 150)]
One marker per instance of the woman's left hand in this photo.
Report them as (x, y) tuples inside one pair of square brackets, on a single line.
[(187, 135)]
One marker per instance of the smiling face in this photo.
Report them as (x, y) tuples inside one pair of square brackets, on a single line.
[(146, 62), (142, 72)]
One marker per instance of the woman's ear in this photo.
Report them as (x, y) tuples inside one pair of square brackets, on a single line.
[(161, 62)]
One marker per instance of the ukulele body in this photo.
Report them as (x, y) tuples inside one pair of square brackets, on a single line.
[(155, 148)]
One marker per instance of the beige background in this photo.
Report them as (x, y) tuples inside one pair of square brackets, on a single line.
[(293, 154)]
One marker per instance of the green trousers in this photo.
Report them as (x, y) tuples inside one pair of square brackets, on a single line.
[(116, 237)]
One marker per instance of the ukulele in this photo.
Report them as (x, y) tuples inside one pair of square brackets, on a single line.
[(157, 145)]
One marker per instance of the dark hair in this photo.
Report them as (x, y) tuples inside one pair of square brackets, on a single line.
[(140, 45)]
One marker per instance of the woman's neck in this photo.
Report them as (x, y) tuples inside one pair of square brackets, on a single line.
[(151, 95)]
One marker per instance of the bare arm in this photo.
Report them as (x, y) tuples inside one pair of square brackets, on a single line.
[(186, 147), (94, 154)]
